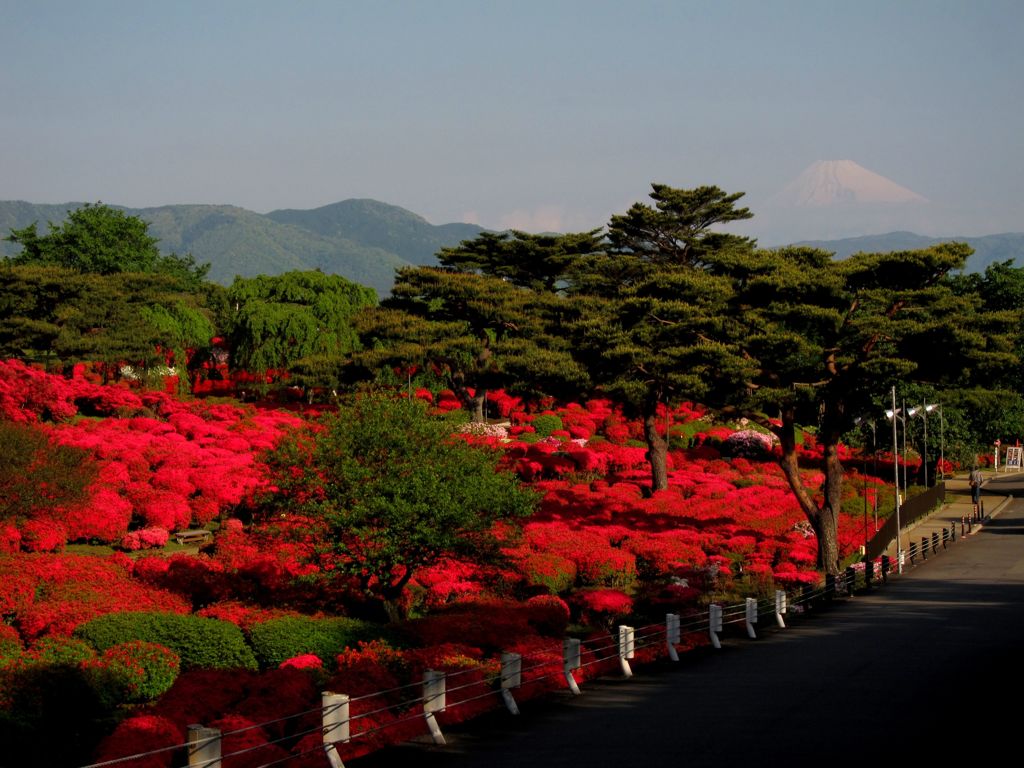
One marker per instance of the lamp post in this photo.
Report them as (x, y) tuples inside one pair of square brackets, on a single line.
[(922, 411), (896, 469), (896, 414), (874, 453), (942, 438)]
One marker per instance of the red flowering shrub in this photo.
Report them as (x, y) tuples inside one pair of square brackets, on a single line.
[(244, 744), (147, 538), (28, 394), (243, 615), (53, 594), (144, 733), (303, 661), (41, 535), (548, 615), (10, 538), (601, 607)]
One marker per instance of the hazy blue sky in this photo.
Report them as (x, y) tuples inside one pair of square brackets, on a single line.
[(541, 115)]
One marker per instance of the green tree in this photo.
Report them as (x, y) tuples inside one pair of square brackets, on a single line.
[(480, 331), (130, 318), (296, 320), (396, 491), (824, 339), (136, 319), (102, 240), (677, 310), (30, 302), (651, 309), (538, 262)]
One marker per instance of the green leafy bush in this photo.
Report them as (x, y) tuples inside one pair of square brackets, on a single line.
[(200, 643), (546, 423), (142, 671), (276, 640), (55, 650)]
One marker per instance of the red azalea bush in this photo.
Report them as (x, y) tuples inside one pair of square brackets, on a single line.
[(53, 594), (146, 538), (598, 551), (144, 733)]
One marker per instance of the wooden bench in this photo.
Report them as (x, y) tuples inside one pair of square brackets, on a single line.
[(192, 537)]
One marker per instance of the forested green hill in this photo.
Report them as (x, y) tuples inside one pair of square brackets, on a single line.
[(361, 240)]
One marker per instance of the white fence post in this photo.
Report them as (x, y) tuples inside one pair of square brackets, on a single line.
[(715, 623), (627, 646), (780, 607), (672, 636), (203, 747), (335, 723), (751, 616), (433, 701), (511, 677), (571, 661)]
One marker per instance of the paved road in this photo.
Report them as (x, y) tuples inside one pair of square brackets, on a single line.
[(916, 670)]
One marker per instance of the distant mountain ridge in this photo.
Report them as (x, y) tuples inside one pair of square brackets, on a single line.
[(363, 240), (988, 249), (366, 240)]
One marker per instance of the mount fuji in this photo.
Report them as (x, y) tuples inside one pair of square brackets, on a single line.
[(838, 198), (840, 182)]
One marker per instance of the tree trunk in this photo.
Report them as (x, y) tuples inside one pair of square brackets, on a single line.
[(657, 448), (473, 403), (828, 538), (391, 594), (478, 400), (393, 610), (824, 519)]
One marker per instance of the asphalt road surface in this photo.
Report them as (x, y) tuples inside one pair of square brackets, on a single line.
[(925, 669)]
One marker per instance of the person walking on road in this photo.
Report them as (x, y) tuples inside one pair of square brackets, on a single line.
[(976, 479)]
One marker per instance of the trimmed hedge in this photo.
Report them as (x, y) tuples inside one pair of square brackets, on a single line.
[(200, 643), (276, 640)]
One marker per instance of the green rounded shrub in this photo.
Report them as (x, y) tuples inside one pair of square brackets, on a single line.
[(286, 637), (55, 650), (142, 671), (199, 642), (546, 423)]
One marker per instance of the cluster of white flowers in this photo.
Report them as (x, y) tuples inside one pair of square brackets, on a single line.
[(129, 373), (481, 429)]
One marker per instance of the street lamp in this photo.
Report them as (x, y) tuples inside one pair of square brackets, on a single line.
[(922, 411), (942, 437), (896, 414), (874, 449), (896, 468)]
